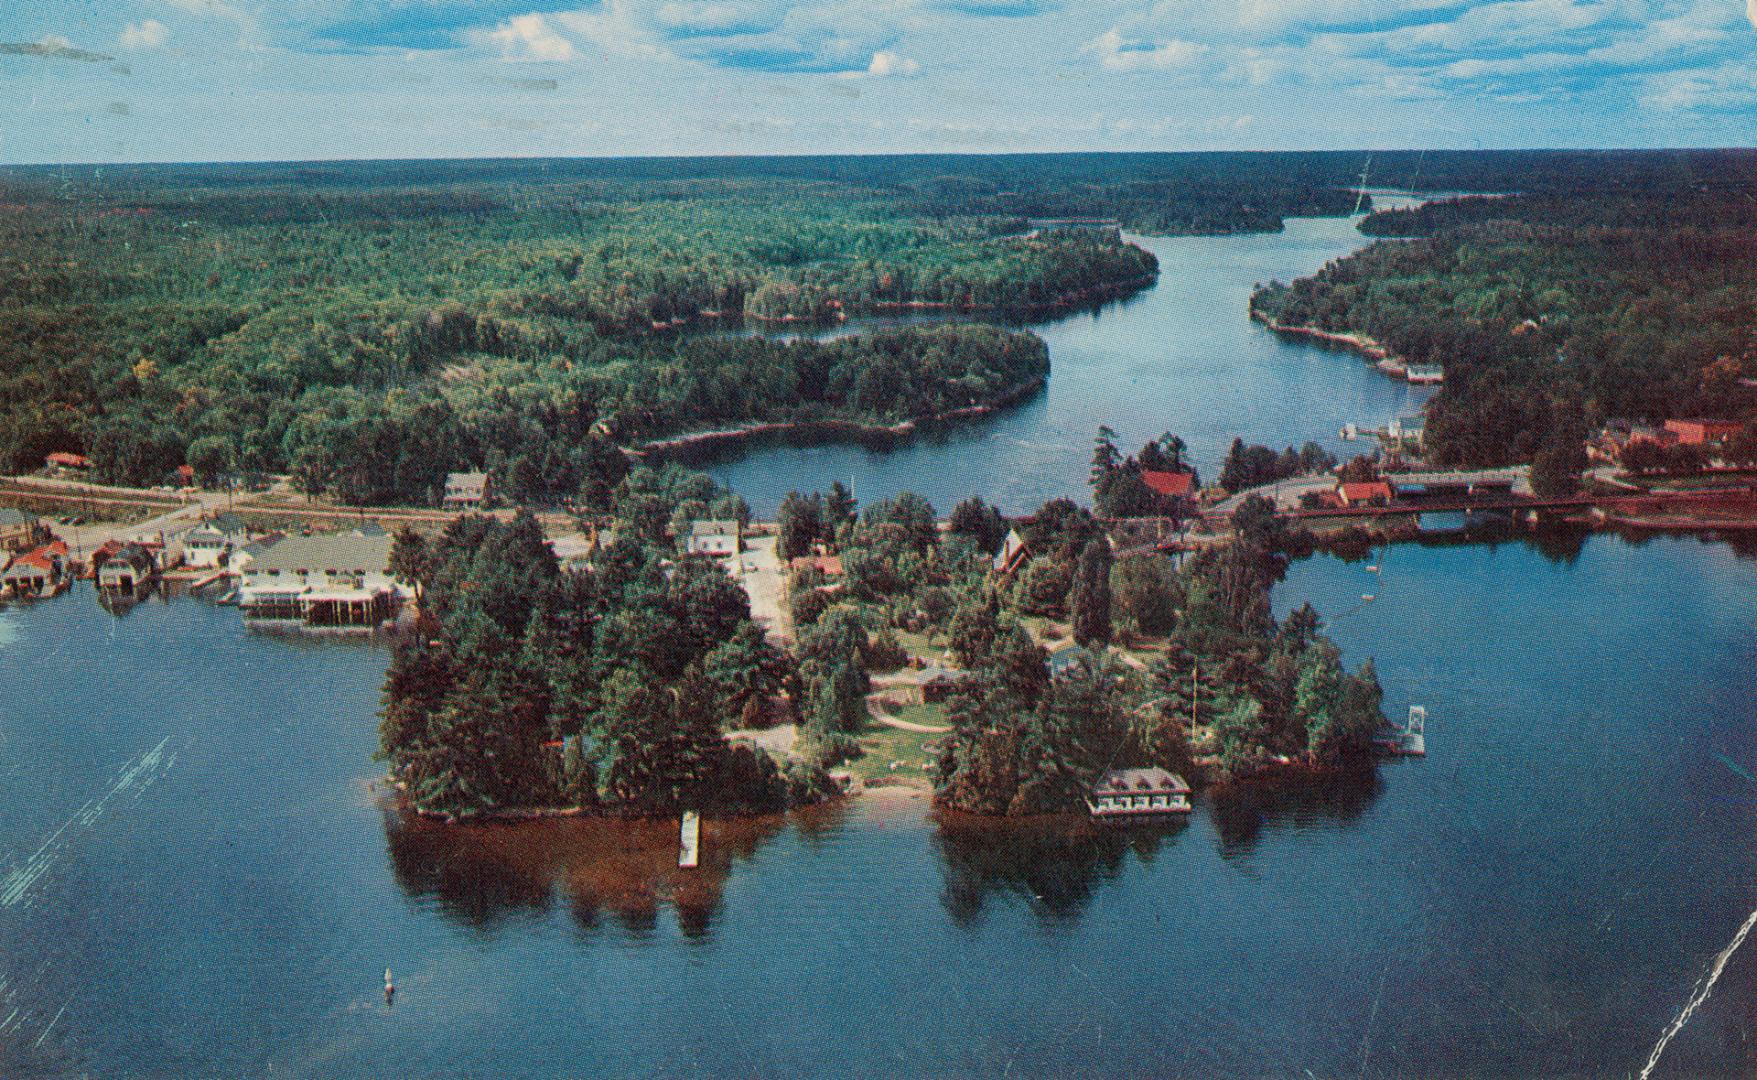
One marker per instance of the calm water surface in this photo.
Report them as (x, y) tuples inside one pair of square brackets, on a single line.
[(1180, 356), (1538, 897)]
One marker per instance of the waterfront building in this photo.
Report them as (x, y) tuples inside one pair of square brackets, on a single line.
[(20, 529), (1135, 793), (466, 490), (1425, 374), (1174, 485), (126, 570), (714, 537), (211, 543), (1364, 493), (330, 580), (41, 571)]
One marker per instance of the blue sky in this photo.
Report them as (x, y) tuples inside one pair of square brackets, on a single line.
[(182, 80)]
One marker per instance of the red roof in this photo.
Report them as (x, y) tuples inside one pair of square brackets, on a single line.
[(828, 565), (1366, 491), (42, 557), (1178, 485), (67, 460)]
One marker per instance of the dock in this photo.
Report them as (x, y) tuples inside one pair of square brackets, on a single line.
[(689, 850), (1410, 740)]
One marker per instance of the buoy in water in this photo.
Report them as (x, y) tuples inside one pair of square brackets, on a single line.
[(1367, 597), (390, 987)]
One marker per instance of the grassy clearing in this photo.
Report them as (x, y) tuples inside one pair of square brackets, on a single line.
[(884, 745)]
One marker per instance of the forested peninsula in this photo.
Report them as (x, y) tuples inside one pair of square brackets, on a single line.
[(1552, 314)]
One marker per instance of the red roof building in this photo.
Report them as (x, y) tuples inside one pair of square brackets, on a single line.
[(1365, 493), (827, 565), (1701, 432), (1176, 485), (61, 459)]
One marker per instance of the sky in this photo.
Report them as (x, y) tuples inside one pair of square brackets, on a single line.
[(240, 80)]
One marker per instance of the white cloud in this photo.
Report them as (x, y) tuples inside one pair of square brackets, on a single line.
[(1118, 52), (885, 62), (620, 28), (213, 8), (1726, 87), (529, 37), (150, 34)]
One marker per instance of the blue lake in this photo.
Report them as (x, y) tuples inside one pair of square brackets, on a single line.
[(201, 880)]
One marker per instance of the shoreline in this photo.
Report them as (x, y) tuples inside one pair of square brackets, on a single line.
[(1359, 344), (832, 427)]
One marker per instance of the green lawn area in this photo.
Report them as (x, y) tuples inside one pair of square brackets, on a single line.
[(884, 745)]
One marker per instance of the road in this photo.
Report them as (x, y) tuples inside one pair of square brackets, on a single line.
[(1286, 493), (759, 569)]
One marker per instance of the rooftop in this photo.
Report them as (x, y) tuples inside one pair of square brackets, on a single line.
[(347, 552), (1152, 781), (1175, 484), (713, 527)]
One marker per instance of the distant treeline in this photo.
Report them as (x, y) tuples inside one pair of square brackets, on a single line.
[(1551, 314)]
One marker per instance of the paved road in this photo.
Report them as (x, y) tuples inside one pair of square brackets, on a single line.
[(1286, 493)]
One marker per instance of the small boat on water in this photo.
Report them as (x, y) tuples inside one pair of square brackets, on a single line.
[(689, 851), (1410, 740)]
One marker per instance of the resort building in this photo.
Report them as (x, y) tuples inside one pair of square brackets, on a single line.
[(1364, 493), (466, 490), (126, 570), (1013, 554), (1698, 432), (20, 530), (1134, 793), (64, 461), (332, 580), (1173, 485), (41, 571), (211, 543), (714, 538)]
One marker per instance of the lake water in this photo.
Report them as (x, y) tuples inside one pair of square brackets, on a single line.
[(200, 879), (198, 876), (1180, 356)]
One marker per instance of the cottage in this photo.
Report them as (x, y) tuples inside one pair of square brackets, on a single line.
[(41, 571), (211, 543), (126, 571), (714, 537), (336, 579), (1698, 432), (1173, 485), (466, 490), (62, 459), (20, 529), (1013, 554), (1425, 374), (1136, 793), (827, 565), (1364, 493)]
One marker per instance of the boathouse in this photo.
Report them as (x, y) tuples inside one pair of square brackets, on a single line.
[(126, 571), (1698, 432), (333, 580), (41, 571), (1136, 793), (1364, 493)]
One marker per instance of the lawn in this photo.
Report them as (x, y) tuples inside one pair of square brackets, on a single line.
[(884, 745)]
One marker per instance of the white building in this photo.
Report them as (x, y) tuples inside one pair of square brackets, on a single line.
[(336, 579), (211, 543), (713, 538), (466, 490)]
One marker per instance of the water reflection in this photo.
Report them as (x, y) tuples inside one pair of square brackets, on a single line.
[(483, 875), (1055, 863), (1241, 811)]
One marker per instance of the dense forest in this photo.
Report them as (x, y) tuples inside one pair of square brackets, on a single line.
[(371, 325), (527, 686), (1552, 314)]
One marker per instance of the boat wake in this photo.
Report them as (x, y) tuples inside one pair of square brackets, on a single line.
[(136, 775), (1703, 989)]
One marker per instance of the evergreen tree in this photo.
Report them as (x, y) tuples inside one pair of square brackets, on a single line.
[(1090, 596)]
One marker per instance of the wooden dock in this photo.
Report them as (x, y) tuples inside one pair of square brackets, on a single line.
[(690, 841)]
